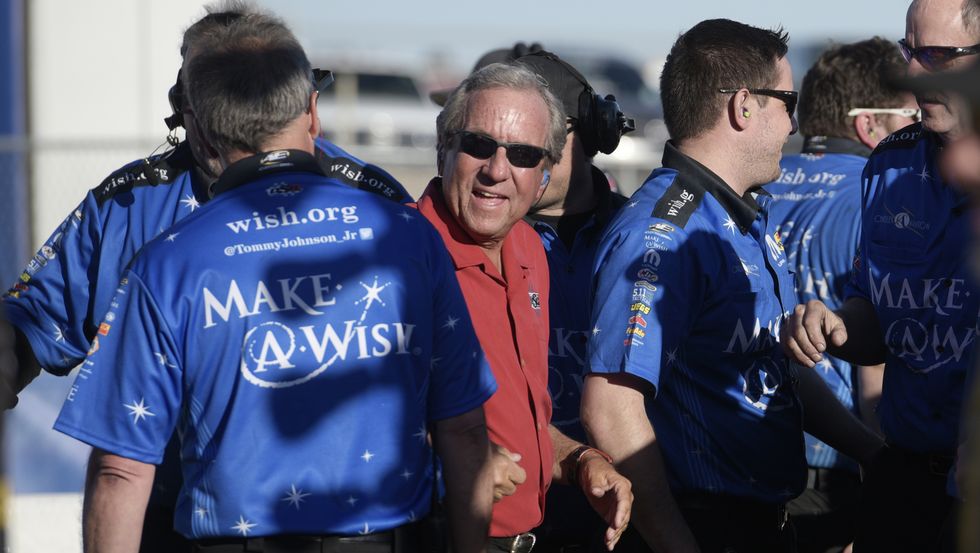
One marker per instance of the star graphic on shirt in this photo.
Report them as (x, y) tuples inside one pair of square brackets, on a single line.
[(367, 456), (372, 294), (422, 434), (201, 512), (59, 334), (406, 215), (807, 237), (924, 175), (295, 496), (634, 203), (139, 411), (825, 365), (451, 323), (672, 356), (366, 530), (730, 224), (351, 500), (65, 360), (596, 330), (162, 358), (243, 526), (406, 474), (191, 202), (411, 516), (170, 237), (817, 447)]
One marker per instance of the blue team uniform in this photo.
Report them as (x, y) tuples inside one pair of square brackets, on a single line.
[(297, 349), (65, 289), (691, 287), (60, 297), (568, 516), (912, 266), (817, 209)]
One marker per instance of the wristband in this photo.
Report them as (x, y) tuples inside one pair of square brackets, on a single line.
[(580, 452)]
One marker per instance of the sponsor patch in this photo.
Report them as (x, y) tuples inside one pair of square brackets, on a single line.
[(640, 307), (678, 203), (274, 157), (638, 320), (104, 329), (94, 347), (283, 189), (665, 228)]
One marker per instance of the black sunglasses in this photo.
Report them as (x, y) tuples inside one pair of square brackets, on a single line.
[(789, 97), (482, 146), (935, 58)]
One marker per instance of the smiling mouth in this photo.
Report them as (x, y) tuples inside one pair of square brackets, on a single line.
[(488, 195)]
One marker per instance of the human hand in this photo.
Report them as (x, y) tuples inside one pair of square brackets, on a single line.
[(507, 474), (806, 333), (609, 492)]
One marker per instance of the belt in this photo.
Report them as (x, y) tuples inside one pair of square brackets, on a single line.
[(936, 463), (521, 543), (379, 541), (737, 508)]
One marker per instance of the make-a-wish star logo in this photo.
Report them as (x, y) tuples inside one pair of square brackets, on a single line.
[(372, 294)]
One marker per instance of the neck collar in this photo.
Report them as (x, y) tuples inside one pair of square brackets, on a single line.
[(262, 165)]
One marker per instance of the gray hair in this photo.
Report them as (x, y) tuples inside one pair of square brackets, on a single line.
[(217, 15), (453, 116), (248, 80), (970, 14)]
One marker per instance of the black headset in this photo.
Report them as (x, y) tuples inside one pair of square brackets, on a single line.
[(600, 122)]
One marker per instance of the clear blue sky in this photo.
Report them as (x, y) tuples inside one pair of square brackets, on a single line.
[(410, 32)]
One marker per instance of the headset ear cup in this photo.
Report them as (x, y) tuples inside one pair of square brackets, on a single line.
[(586, 124)]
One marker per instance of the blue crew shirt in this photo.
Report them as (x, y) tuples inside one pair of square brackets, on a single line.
[(297, 349), (60, 297), (691, 286), (568, 516), (912, 267), (817, 209)]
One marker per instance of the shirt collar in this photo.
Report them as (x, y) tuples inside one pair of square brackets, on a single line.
[(262, 165), (834, 145), (463, 250), (692, 174)]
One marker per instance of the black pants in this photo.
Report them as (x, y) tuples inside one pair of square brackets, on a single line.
[(903, 503), (825, 515), (723, 524), (159, 535)]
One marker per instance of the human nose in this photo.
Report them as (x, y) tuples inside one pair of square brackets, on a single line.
[(498, 166)]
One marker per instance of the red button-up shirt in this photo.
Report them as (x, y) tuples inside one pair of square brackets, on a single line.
[(510, 315)]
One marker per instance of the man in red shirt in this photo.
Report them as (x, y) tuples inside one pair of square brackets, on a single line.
[(499, 135)]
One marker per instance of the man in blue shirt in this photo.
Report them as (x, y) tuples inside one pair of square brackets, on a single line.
[(570, 217), (911, 302), (689, 391), (846, 108), (52, 312), (286, 335)]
